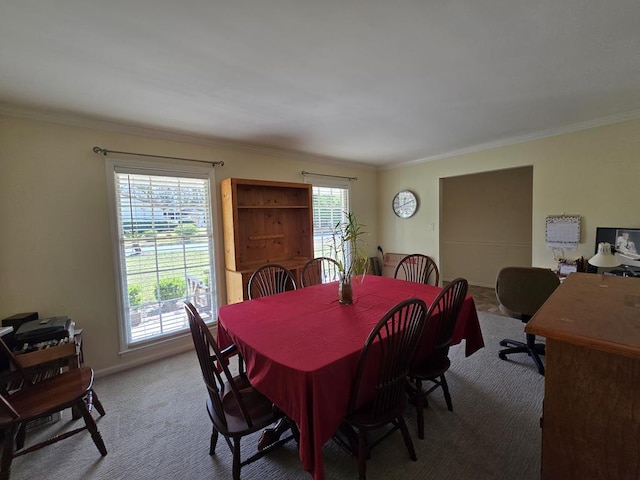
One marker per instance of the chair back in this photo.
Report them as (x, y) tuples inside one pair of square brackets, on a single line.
[(418, 268), (215, 370), (521, 291), (320, 270), (392, 343), (270, 279), (446, 308)]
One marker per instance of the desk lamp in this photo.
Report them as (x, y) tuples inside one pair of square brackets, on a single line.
[(604, 258)]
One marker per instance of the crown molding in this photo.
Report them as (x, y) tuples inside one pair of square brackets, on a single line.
[(83, 121), (77, 120), (575, 127)]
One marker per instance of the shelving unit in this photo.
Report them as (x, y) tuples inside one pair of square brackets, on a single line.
[(264, 222)]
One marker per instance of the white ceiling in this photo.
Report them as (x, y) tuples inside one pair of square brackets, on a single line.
[(373, 81)]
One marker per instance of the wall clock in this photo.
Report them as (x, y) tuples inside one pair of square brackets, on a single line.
[(405, 204)]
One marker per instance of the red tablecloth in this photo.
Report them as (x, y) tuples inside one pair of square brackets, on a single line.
[(301, 348)]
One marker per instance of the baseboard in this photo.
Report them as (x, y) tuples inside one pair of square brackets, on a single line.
[(472, 283), (165, 353)]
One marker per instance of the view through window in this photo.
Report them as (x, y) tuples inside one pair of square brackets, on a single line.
[(165, 240), (330, 205)]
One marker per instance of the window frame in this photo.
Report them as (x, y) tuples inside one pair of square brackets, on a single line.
[(329, 182), (143, 167)]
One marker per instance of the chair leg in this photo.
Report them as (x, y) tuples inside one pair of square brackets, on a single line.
[(535, 351), (407, 438), (91, 426), (7, 452), (445, 389), (362, 455), (420, 406), (236, 459), (96, 403), (214, 441), (294, 431), (21, 436)]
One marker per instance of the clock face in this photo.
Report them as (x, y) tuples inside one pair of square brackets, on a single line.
[(405, 204)]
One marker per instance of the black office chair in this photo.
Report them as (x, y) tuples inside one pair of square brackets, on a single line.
[(521, 291)]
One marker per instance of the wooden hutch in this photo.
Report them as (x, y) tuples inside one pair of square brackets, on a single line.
[(264, 222)]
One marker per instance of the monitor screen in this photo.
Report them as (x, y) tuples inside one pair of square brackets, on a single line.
[(625, 244)]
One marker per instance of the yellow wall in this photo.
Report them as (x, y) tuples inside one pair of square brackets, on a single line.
[(594, 173), (55, 246)]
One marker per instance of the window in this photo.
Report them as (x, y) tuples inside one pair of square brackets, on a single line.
[(330, 202), (164, 249)]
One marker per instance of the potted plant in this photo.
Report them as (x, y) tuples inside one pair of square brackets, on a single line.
[(348, 249)]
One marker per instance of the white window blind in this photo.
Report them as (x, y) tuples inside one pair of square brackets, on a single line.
[(330, 204), (165, 254)]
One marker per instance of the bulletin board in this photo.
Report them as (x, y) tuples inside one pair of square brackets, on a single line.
[(563, 231)]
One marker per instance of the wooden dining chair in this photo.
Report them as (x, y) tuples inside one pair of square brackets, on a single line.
[(443, 313), (320, 270), (418, 268), (388, 349), (235, 408), (37, 400), (270, 279)]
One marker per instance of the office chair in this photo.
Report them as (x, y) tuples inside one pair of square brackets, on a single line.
[(521, 291)]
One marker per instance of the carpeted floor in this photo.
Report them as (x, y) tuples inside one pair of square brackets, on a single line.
[(156, 427)]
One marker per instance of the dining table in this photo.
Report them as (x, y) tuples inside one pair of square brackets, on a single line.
[(301, 348)]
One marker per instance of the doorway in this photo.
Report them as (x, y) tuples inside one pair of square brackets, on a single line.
[(485, 224)]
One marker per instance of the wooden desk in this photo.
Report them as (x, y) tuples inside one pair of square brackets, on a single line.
[(591, 412)]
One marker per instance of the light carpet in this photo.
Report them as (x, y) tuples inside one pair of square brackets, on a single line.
[(156, 427)]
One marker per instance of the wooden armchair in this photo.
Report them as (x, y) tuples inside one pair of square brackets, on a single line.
[(270, 279), (320, 270), (388, 349), (235, 408), (444, 310), (418, 268), (73, 388), (198, 292)]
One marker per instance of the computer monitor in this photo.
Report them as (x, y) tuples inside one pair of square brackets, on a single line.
[(625, 244)]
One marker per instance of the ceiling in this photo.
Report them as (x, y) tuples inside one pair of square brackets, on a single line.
[(371, 81)]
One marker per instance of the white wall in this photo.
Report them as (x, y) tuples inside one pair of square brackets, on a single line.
[(55, 246), (594, 173)]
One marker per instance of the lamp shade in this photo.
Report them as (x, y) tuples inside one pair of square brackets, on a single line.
[(604, 258)]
